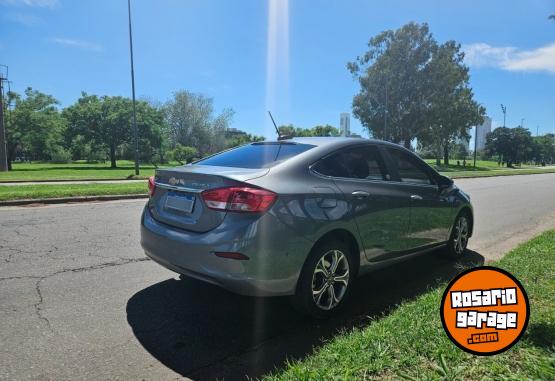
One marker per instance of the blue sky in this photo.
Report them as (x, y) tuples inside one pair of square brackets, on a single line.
[(252, 55)]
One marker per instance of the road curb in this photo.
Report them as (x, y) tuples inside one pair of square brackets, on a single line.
[(62, 200)]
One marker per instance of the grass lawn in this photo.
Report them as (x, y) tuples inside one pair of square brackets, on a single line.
[(18, 192), (481, 165), (410, 343), (75, 171), (498, 172), (126, 170), (486, 168)]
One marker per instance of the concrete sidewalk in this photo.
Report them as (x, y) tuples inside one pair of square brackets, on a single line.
[(58, 182)]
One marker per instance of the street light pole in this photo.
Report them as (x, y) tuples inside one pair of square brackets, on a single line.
[(135, 131), (522, 122)]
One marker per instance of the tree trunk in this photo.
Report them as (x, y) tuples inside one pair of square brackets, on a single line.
[(162, 157), (10, 157), (446, 155), (113, 156), (438, 161)]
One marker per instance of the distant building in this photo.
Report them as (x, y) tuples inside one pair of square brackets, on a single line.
[(345, 124), (481, 133)]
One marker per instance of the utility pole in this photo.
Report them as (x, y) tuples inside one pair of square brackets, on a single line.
[(504, 109), (135, 131), (3, 149)]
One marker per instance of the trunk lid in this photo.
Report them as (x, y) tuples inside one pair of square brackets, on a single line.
[(177, 200)]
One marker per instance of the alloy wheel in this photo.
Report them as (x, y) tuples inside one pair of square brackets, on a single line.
[(330, 280), (460, 239)]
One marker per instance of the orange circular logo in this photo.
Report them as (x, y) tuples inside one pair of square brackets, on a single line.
[(485, 310)]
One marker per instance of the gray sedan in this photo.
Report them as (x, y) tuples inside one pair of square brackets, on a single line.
[(301, 217)]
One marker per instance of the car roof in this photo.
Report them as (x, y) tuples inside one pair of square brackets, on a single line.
[(324, 141)]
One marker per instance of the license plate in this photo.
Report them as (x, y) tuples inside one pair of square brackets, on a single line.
[(181, 202)]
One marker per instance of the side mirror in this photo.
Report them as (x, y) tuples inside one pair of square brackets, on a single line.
[(444, 182)]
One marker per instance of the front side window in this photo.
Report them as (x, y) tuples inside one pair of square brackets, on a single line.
[(361, 162), (410, 169)]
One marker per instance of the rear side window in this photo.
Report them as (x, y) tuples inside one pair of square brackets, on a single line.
[(362, 162), (256, 155), (410, 169)]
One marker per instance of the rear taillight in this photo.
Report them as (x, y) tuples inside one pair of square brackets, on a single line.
[(239, 199), (151, 186)]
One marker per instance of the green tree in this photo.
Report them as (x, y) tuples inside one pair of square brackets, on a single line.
[(34, 126), (151, 126), (288, 130), (191, 122), (544, 149), (393, 82), (513, 145), (105, 122), (419, 87), (461, 151), (84, 120), (451, 110), (325, 130), (183, 154), (320, 130), (239, 140)]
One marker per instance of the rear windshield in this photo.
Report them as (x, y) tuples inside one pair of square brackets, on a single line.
[(257, 155)]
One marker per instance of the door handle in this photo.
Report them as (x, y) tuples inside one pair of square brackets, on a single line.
[(360, 194), (415, 197)]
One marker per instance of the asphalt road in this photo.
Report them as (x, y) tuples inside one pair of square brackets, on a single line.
[(79, 300)]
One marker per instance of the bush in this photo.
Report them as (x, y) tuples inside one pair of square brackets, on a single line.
[(183, 153), (96, 156), (59, 155)]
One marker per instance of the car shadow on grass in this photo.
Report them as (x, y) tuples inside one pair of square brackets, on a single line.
[(203, 332)]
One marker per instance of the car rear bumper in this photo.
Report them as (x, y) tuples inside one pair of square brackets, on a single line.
[(272, 269)]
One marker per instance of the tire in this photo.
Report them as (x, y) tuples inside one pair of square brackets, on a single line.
[(458, 240), (319, 293)]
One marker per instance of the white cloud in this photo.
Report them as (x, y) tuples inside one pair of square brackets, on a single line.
[(33, 3), (77, 44), (541, 59), (510, 58), (481, 54)]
